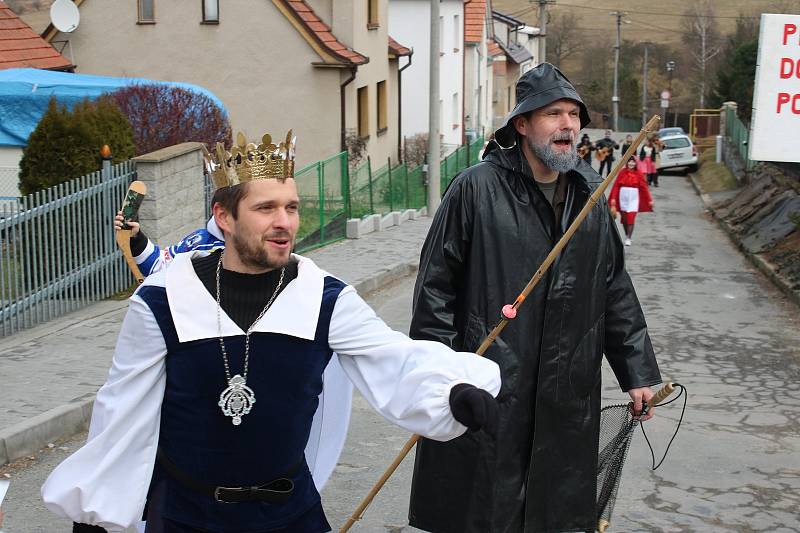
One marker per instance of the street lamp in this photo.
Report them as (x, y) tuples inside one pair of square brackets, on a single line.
[(670, 70)]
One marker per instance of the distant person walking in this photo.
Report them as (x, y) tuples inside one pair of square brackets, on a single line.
[(647, 162), (630, 196), (604, 151), (626, 144)]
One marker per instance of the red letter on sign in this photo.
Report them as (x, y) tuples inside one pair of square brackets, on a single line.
[(788, 29), (783, 98), (787, 68)]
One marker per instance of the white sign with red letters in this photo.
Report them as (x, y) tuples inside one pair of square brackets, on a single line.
[(775, 128)]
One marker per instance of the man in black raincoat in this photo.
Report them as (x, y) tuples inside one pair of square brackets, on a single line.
[(497, 222)]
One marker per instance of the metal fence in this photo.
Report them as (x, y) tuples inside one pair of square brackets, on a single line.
[(389, 188), (738, 135), (324, 192), (57, 249)]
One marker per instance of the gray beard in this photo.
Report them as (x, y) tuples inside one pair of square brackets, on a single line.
[(560, 162)]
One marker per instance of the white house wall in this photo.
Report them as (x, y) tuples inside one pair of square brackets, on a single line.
[(409, 24), (9, 170)]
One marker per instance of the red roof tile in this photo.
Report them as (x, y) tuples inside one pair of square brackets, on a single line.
[(21, 47), (322, 33), (494, 49), (397, 49), (474, 20)]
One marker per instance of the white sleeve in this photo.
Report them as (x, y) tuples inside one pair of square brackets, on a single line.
[(405, 380), (105, 482)]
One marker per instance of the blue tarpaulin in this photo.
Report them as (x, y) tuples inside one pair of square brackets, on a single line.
[(25, 94)]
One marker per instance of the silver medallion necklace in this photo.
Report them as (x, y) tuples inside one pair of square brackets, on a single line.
[(237, 399)]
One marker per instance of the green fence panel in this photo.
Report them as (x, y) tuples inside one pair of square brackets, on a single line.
[(738, 134), (418, 192), (323, 188)]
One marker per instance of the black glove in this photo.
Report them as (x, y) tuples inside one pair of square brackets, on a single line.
[(474, 407), (86, 528)]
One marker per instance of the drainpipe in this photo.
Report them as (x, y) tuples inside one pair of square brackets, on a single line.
[(342, 106), (463, 83), (400, 106)]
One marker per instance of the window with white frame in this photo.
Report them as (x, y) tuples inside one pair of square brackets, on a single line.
[(456, 43), (441, 35), (456, 114)]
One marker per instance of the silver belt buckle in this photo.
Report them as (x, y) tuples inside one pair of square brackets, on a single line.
[(216, 493)]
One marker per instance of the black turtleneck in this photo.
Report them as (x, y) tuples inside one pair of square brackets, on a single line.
[(243, 295)]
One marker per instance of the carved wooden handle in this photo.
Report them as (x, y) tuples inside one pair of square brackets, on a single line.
[(662, 394)]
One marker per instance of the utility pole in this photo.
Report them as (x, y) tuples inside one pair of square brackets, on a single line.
[(644, 88), (543, 30), (615, 98), (434, 185)]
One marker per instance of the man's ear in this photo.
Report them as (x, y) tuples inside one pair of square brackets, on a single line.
[(222, 217), (520, 124)]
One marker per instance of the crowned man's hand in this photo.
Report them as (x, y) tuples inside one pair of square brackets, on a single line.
[(474, 408)]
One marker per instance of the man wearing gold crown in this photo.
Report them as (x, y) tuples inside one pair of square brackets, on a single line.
[(204, 422)]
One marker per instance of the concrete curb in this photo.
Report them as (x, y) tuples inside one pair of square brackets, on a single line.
[(30, 436), (756, 259)]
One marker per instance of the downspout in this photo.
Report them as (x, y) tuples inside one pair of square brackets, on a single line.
[(400, 105), (463, 82), (342, 106)]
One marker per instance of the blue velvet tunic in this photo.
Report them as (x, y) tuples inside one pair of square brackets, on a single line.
[(285, 374)]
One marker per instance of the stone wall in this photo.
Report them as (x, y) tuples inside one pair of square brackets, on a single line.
[(175, 200)]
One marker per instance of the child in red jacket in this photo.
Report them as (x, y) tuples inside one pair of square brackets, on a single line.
[(630, 195)]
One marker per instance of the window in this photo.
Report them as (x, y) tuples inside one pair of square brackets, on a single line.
[(363, 112), (456, 43), (456, 114), (373, 18), (147, 11), (441, 36), (676, 142), (383, 121), (211, 11), (509, 101)]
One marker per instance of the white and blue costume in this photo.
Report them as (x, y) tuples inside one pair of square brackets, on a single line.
[(154, 258), (139, 408)]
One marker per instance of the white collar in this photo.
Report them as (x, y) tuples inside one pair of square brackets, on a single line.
[(295, 311)]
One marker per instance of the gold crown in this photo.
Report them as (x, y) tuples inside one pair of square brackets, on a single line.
[(248, 161)]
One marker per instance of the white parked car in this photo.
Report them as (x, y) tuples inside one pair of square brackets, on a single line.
[(678, 151)]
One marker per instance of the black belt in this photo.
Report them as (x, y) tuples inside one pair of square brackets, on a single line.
[(277, 491)]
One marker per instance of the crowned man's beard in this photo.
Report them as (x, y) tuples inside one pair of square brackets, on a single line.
[(257, 256), (552, 159)]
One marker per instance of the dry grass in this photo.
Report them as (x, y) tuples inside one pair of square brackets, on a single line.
[(712, 176)]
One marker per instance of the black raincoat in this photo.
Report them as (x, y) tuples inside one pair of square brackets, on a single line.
[(492, 231)]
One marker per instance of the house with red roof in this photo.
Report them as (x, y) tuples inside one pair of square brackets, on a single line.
[(21, 47), (328, 70), (480, 51)]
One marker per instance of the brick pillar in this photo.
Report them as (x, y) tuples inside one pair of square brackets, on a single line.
[(175, 200)]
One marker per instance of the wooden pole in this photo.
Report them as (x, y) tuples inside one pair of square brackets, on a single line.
[(650, 127)]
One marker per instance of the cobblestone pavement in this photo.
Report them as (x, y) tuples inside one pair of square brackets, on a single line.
[(718, 327)]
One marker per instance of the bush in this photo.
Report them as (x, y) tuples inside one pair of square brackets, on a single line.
[(66, 144), (163, 116)]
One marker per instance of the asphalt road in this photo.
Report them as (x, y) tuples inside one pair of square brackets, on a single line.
[(718, 327)]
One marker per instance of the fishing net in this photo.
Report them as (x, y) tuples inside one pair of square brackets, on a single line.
[(617, 425)]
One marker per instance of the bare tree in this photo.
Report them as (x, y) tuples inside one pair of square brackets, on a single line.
[(703, 40), (563, 36)]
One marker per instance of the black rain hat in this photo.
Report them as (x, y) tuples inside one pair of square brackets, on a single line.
[(537, 88)]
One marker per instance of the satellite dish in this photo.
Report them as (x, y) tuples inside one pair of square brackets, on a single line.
[(65, 16)]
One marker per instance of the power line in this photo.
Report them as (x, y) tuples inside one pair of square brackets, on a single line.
[(660, 14)]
